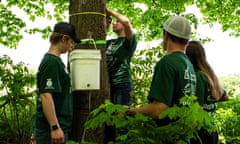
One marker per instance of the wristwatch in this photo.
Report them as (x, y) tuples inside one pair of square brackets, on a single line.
[(55, 127)]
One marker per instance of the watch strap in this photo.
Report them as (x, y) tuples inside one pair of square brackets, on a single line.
[(55, 127)]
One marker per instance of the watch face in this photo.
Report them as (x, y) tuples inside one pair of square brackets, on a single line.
[(54, 127)]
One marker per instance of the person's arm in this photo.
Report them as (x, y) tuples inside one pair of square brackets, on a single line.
[(125, 22), (49, 111), (153, 109)]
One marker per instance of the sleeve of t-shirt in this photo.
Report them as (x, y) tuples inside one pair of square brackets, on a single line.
[(49, 78), (202, 87), (162, 86), (132, 45)]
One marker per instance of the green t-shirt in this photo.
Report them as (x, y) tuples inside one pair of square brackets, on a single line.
[(119, 54), (53, 77), (203, 94), (173, 78)]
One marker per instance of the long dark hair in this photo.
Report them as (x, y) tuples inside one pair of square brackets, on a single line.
[(197, 56)]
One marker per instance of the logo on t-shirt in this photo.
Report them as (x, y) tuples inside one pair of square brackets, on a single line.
[(190, 87), (49, 84)]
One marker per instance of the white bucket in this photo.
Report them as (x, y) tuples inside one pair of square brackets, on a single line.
[(85, 69)]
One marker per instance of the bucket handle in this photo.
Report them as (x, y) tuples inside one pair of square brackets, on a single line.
[(90, 40)]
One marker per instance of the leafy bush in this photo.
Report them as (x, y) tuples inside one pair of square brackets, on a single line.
[(232, 84), (228, 121), (142, 69), (143, 129), (16, 102)]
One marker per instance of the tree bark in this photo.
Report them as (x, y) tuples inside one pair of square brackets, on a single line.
[(87, 16)]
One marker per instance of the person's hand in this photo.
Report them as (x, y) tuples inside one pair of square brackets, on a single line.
[(57, 136), (126, 106), (108, 12), (224, 98), (32, 139), (128, 112), (32, 142)]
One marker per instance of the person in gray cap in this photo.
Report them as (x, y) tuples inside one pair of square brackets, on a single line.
[(53, 119), (174, 76)]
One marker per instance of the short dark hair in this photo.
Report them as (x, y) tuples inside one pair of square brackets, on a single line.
[(177, 39)]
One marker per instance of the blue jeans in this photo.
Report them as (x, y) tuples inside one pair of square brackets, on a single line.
[(120, 94), (44, 137), (206, 137)]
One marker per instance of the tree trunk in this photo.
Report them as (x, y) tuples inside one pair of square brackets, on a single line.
[(88, 17)]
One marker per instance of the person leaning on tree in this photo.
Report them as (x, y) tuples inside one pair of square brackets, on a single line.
[(174, 76), (53, 119), (209, 90), (119, 53)]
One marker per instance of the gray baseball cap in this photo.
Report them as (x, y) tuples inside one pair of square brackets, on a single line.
[(178, 26)]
